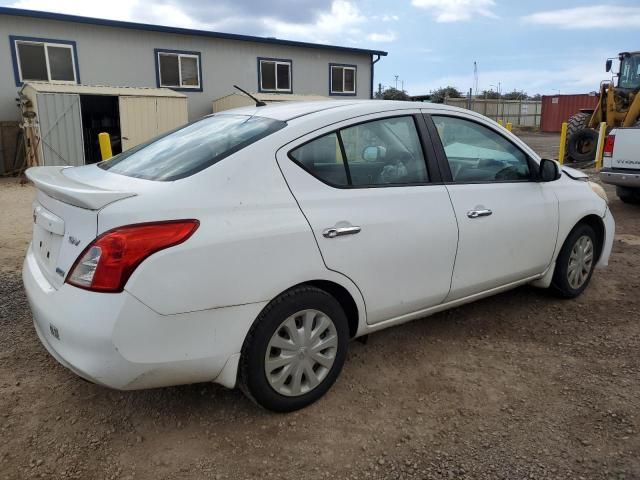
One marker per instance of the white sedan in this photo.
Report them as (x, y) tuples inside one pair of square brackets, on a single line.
[(248, 248)]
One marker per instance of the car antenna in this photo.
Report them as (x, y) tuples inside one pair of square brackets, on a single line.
[(259, 103)]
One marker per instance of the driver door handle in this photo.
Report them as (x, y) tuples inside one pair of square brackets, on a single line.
[(485, 212), (334, 232)]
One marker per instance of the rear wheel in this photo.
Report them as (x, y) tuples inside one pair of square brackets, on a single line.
[(628, 195), (575, 262), (295, 350)]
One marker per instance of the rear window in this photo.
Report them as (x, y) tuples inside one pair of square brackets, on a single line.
[(183, 152)]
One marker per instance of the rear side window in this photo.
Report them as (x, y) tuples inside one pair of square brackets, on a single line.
[(190, 149), (380, 152)]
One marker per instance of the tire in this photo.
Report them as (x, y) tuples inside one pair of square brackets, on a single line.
[(283, 389), (565, 283), (582, 142), (628, 195)]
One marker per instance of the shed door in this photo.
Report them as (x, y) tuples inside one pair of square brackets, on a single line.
[(142, 118), (138, 122), (60, 129)]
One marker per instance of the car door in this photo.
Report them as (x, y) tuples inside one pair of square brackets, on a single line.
[(508, 222), (379, 214)]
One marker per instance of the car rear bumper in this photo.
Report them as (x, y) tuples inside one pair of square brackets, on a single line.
[(623, 178), (117, 341)]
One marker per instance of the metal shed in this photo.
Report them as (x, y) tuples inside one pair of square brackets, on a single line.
[(235, 100), (62, 122)]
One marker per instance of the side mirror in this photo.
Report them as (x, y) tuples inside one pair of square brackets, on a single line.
[(549, 171), (370, 154), (609, 64)]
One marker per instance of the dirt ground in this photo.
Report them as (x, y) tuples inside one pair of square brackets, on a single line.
[(521, 385)]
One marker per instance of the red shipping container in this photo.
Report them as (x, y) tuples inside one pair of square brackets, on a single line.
[(558, 108)]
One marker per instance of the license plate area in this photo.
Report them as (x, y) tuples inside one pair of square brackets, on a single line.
[(48, 232)]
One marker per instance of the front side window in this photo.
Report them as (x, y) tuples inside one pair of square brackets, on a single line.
[(44, 61), (179, 70), (192, 148), (275, 75), (380, 152), (478, 154), (342, 79)]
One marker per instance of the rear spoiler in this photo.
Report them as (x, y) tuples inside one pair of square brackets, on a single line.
[(54, 183)]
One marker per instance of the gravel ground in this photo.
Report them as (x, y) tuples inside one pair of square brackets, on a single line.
[(521, 385)]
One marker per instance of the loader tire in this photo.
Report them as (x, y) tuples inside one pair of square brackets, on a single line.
[(582, 142)]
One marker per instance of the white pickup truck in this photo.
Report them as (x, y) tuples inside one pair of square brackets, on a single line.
[(621, 163)]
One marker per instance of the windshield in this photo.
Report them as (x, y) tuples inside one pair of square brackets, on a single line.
[(192, 148), (630, 72)]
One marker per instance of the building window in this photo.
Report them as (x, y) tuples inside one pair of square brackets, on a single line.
[(342, 79), (178, 70), (43, 60), (274, 75)]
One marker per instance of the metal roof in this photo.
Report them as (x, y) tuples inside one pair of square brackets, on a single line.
[(181, 31), (42, 87)]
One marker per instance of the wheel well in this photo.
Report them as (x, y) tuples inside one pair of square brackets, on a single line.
[(345, 300), (597, 224)]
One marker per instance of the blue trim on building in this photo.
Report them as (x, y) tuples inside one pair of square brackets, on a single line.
[(14, 53), (283, 60), (181, 31), (355, 80), (157, 51)]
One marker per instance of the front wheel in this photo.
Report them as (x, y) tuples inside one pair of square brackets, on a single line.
[(575, 262), (628, 195), (295, 350)]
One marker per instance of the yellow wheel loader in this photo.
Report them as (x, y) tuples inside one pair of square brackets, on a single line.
[(618, 106)]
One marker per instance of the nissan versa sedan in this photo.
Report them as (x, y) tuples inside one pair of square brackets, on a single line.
[(248, 248)]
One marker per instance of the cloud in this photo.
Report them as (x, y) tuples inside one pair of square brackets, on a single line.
[(456, 10), (382, 37), (340, 22), (595, 16), (321, 21)]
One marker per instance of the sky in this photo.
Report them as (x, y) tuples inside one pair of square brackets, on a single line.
[(542, 46)]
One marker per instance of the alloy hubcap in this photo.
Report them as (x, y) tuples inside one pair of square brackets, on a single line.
[(580, 262), (301, 353)]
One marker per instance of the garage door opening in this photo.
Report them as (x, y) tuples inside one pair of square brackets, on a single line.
[(100, 113)]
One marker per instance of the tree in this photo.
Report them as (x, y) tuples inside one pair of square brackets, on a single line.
[(438, 96), (393, 94), (537, 96), (516, 95), (490, 94)]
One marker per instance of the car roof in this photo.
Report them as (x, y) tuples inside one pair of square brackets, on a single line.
[(289, 110)]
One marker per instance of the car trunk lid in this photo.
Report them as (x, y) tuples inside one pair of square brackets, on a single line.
[(65, 219)]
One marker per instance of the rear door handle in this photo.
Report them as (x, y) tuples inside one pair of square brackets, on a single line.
[(334, 232), (485, 212)]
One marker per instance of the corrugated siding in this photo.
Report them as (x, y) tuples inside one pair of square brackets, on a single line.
[(231, 101), (521, 113), (60, 129), (558, 108), (171, 113), (137, 120), (142, 118)]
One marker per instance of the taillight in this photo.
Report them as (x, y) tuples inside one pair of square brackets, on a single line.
[(108, 262), (608, 145)]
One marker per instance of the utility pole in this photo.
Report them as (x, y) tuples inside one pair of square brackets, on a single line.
[(475, 78), (396, 81)]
